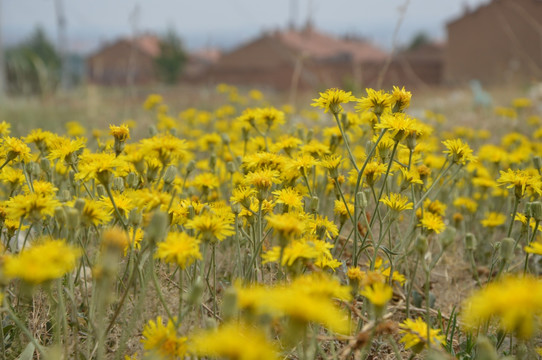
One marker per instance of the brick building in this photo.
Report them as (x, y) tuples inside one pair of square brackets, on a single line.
[(500, 41), (124, 62), (301, 59)]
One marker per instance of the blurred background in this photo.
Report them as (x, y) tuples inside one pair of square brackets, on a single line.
[(84, 53)]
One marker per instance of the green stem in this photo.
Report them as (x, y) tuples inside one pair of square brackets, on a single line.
[(345, 137), (511, 225)]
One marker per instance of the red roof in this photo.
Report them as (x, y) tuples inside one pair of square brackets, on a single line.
[(319, 46)]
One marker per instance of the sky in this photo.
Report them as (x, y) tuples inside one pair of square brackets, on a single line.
[(226, 23)]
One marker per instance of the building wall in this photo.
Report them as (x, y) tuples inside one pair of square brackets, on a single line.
[(498, 42), (121, 64)]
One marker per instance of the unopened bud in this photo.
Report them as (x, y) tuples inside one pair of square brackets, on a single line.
[(135, 218), (190, 166), (536, 210), (314, 204), (229, 303), (507, 249), (196, 292), (225, 139), (45, 164), (64, 195), (537, 162), (485, 349), (152, 130), (212, 162), (132, 180), (236, 208), (421, 245), (118, 184), (157, 227), (361, 199), (60, 216), (470, 242), (448, 236), (310, 134), (100, 190), (79, 204), (73, 218), (230, 166), (170, 174), (529, 210)]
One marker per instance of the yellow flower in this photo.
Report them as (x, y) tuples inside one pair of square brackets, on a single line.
[(397, 202), (432, 222), (415, 335), (31, 206), (534, 247), (4, 128), (290, 197), (166, 148), (179, 248), (235, 341), (65, 149), (100, 166), (520, 180), (466, 203), (400, 99), (493, 219), (47, 259), (376, 101), (459, 152), (152, 101), (94, 213), (373, 171), (120, 133), (287, 225), (163, 340), (15, 147), (74, 128), (398, 124), (515, 302), (331, 100), (378, 294), (270, 116), (262, 179), (211, 227)]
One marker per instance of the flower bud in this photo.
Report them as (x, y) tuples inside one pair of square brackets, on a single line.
[(45, 165), (485, 349), (100, 190), (310, 135), (225, 139), (230, 167), (73, 218), (118, 184), (536, 210), (421, 245), (448, 236), (528, 210), (470, 242), (196, 292), (229, 303), (79, 204), (153, 131), (135, 218), (190, 167), (156, 230), (314, 204), (60, 216), (212, 162), (507, 249), (170, 174), (132, 180), (537, 162), (361, 199)]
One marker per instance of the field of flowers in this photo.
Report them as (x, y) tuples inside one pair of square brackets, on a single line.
[(350, 229)]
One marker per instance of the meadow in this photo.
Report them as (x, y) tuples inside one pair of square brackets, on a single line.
[(230, 224)]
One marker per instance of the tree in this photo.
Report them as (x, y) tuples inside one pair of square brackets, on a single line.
[(418, 40), (170, 62), (33, 66)]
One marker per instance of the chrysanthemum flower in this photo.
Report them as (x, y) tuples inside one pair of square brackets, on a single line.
[(397, 202), (432, 222), (373, 171), (31, 206), (398, 124), (166, 148), (331, 100), (493, 219), (515, 302), (378, 294), (211, 227), (376, 101), (290, 197), (94, 213), (162, 340), (47, 259), (269, 116), (120, 133), (152, 101), (15, 147), (534, 247), (459, 152), (520, 180), (234, 341), (179, 248), (415, 335), (400, 99), (262, 179)]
